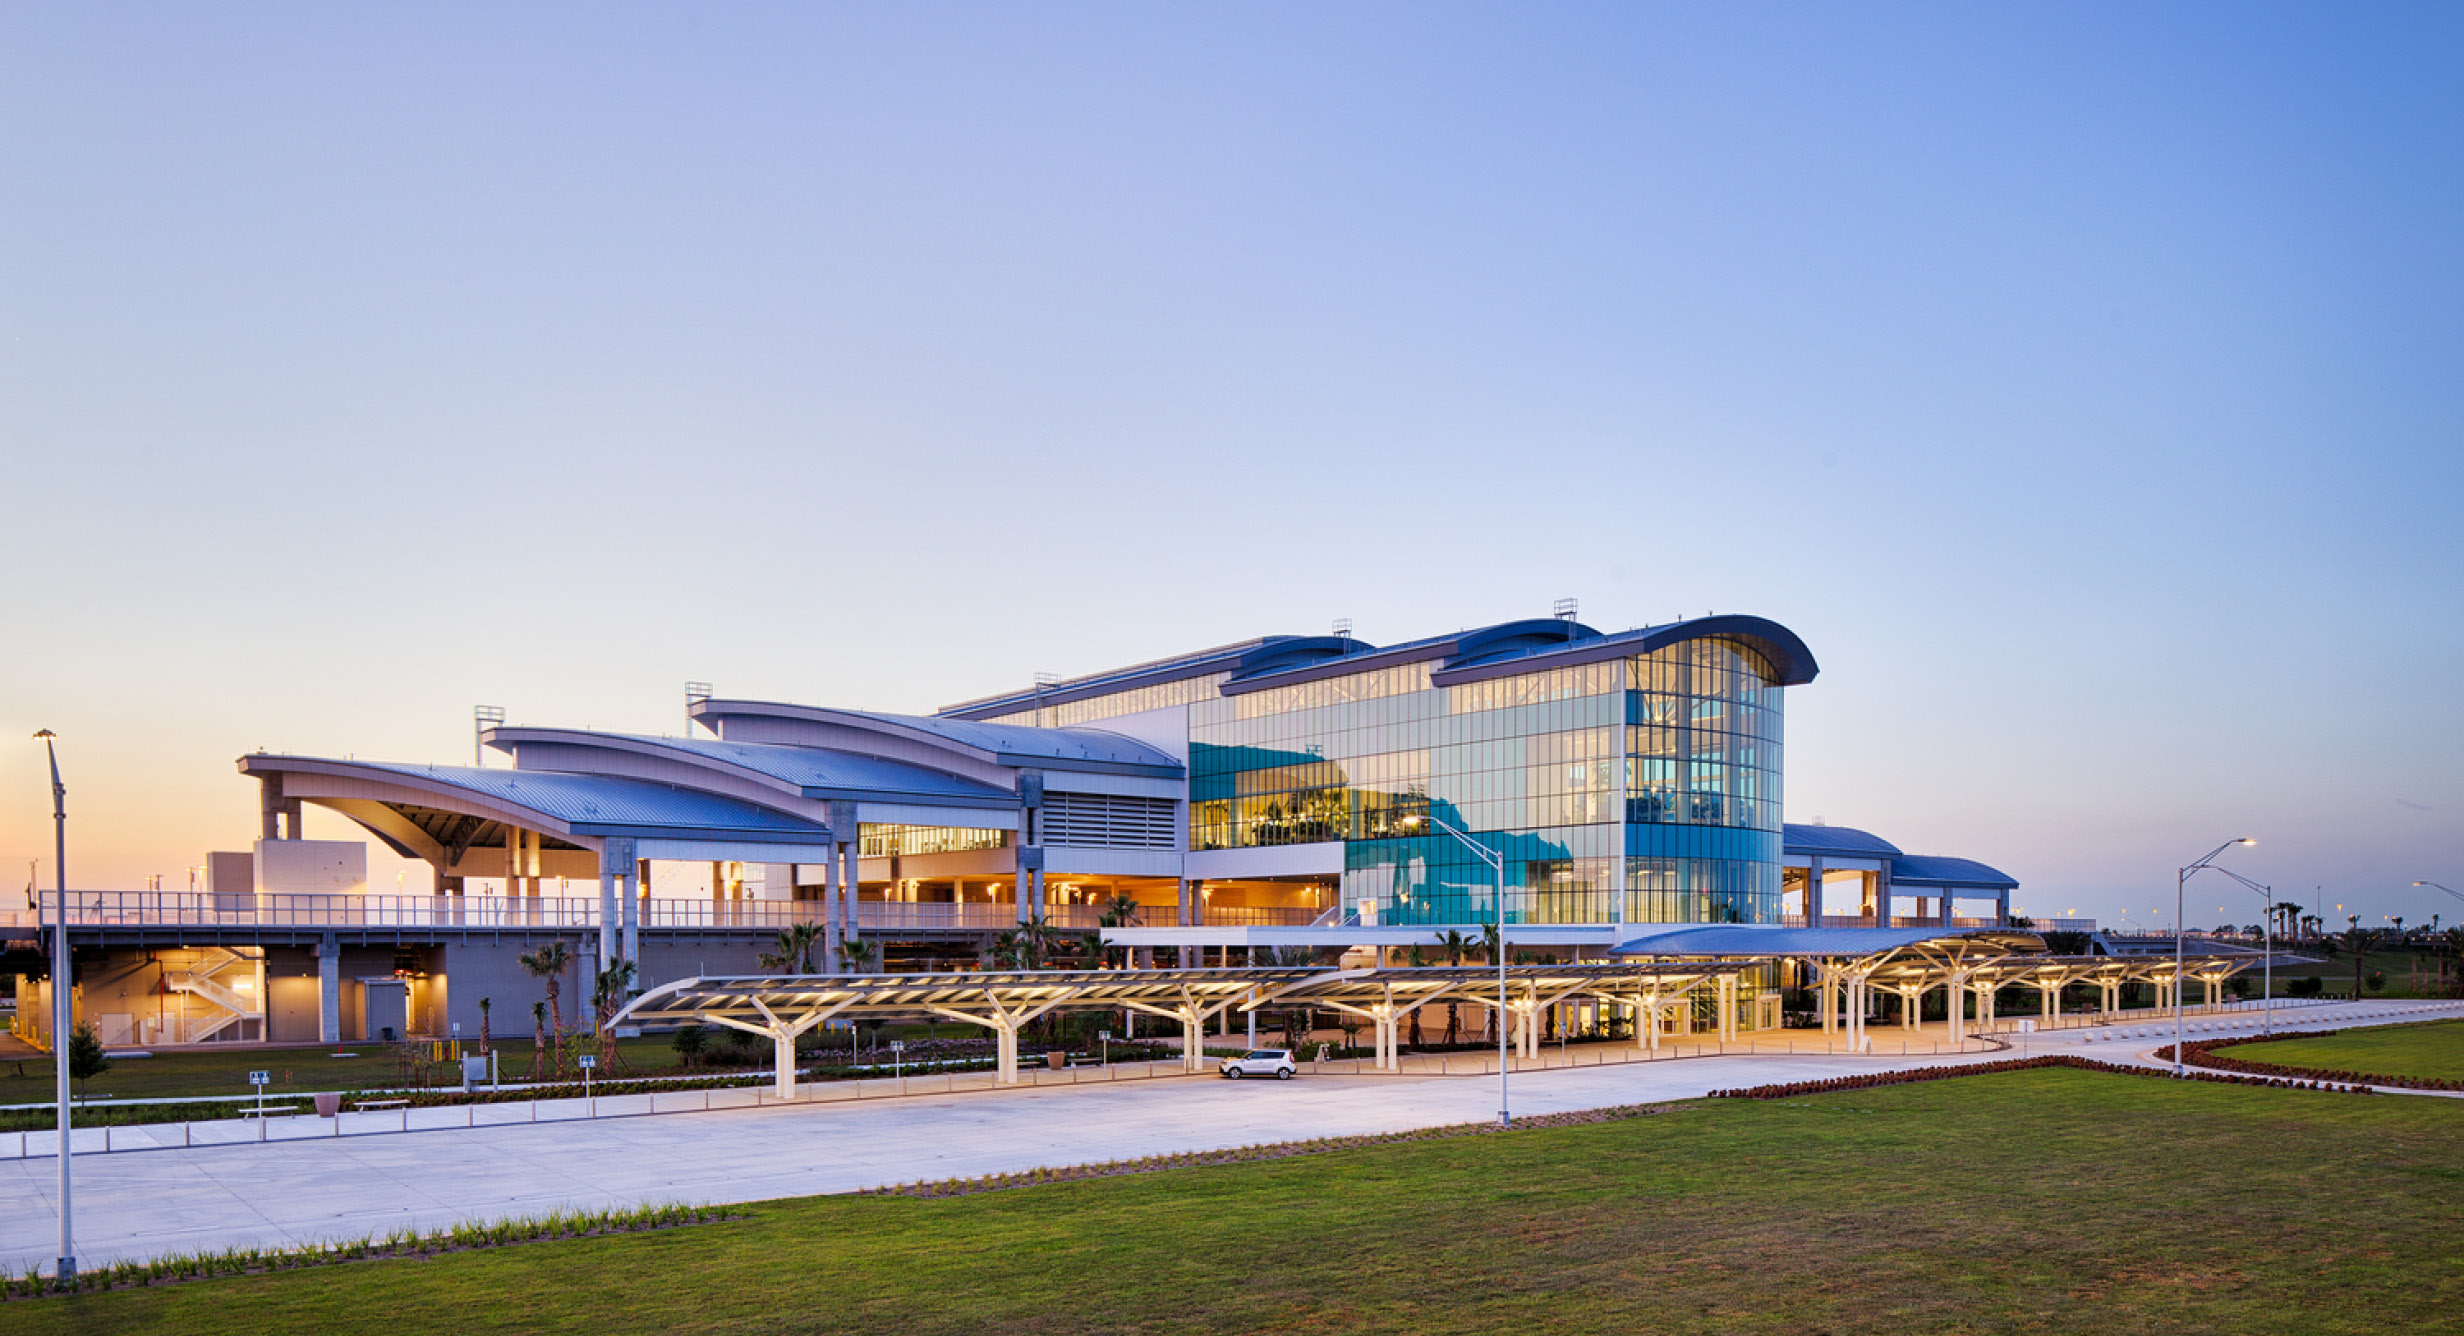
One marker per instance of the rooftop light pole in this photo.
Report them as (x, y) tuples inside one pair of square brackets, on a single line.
[(60, 994), (1497, 865), (2180, 880)]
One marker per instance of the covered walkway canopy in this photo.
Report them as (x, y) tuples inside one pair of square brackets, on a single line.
[(1846, 965), (783, 1007)]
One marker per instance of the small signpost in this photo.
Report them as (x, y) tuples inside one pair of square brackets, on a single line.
[(1106, 1037), (260, 1080), (588, 1061), (898, 1049)]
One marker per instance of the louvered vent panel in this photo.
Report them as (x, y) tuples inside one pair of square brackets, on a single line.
[(1104, 821)]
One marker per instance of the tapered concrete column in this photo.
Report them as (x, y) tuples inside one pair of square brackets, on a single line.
[(607, 912), (329, 990), (637, 885), (1727, 1002)]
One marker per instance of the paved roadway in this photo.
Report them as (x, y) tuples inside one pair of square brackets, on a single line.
[(146, 1203)]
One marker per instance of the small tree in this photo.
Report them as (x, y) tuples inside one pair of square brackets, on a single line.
[(483, 1027), (85, 1055), (690, 1041)]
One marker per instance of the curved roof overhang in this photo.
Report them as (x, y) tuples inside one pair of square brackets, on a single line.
[(396, 803), (1792, 664), (1247, 656), (813, 773), (1091, 750)]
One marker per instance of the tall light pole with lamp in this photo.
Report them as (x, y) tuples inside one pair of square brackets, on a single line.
[(2267, 939), (2180, 880), (61, 1003), (1497, 866)]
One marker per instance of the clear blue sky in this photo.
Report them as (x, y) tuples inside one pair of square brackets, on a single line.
[(2081, 381)]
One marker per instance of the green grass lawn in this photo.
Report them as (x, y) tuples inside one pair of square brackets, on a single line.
[(223, 1072), (2435, 1049), (2046, 1201)]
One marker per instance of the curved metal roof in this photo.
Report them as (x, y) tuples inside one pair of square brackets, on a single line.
[(1246, 656), (1021, 740), (818, 772), (1935, 870), (1527, 645), (591, 805), (1846, 841), (1092, 749), (1792, 664)]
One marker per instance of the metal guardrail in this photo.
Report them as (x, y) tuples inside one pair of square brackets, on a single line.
[(204, 909), (1896, 921)]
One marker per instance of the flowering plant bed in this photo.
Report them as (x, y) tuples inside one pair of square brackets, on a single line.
[(1912, 1075)]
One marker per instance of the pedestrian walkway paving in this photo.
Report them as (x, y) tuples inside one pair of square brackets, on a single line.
[(288, 1192)]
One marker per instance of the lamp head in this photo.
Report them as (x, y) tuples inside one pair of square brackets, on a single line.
[(44, 735), (2245, 840)]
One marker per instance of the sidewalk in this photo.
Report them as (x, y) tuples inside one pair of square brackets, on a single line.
[(291, 1191)]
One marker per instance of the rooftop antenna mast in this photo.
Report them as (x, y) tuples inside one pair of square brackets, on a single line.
[(483, 718), (1343, 628), (1043, 682), (694, 694), (1564, 610)]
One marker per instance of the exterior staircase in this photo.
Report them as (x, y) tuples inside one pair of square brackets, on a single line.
[(201, 983)]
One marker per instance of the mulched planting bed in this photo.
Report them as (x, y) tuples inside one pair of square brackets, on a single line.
[(2209, 1053), (1912, 1075)]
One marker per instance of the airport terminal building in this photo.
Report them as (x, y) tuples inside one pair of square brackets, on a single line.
[(1287, 791)]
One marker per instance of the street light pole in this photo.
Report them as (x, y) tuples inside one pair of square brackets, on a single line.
[(2181, 879), (2267, 940), (1497, 866), (60, 1000)]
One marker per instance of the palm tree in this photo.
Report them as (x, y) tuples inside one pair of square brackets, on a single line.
[(2357, 941), (795, 953), (538, 1039), (1121, 911), (608, 993), (483, 1027), (856, 955), (1416, 958), (1456, 946), (550, 962)]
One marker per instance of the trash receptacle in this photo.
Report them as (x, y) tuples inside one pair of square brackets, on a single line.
[(328, 1104), (1056, 1059)]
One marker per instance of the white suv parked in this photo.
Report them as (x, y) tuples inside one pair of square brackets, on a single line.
[(1274, 1062)]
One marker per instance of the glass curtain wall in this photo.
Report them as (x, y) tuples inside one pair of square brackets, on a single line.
[(1527, 765), (1703, 735)]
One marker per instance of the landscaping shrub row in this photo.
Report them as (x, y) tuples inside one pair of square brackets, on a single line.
[(1272, 1150), (2204, 1052), (1912, 1075), (180, 1267)]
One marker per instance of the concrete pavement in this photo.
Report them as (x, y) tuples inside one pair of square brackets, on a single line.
[(286, 1193)]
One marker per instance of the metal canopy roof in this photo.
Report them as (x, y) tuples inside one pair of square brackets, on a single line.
[(1936, 870), (1470, 655), (746, 997), (1090, 749), (594, 806), (1844, 840), (816, 772)]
